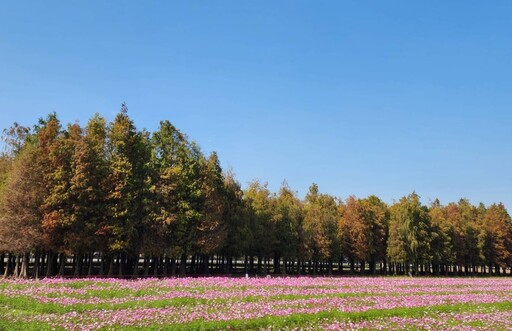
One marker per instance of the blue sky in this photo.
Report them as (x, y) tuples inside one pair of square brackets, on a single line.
[(360, 97)]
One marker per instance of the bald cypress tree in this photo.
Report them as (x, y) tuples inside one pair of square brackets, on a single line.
[(56, 151), (409, 240), (89, 190), (212, 230), (258, 199), (21, 198), (177, 190), (128, 156), (321, 215), (443, 253), (287, 222), (495, 238)]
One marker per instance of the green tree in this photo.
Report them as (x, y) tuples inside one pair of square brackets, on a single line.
[(57, 147), (409, 240), (353, 232), (321, 216), (376, 214), (128, 157), (496, 236), (20, 208), (89, 190), (236, 220), (177, 189), (363, 231), (286, 223), (211, 229), (465, 220), (15, 138), (259, 202), (441, 238)]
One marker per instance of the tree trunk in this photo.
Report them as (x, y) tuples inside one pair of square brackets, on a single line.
[(251, 264), (102, 264), (24, 266), (7, 270), (136, 266), (166, 266), (78, 265), (103, 260), (62, 266), (206, 266), (111, 265), (224, 264), (51, 262), (37, 258), (90, 268), (155, 266), (120, 262), (276, 263), (16, 272), (146, 266), (173, 267), (193, 264), (183, 265)]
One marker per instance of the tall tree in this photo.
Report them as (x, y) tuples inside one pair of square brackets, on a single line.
[(15, 138), (177, 189), (409, 241), (236, 220), (56, 150), (128, 156), (441, 235), (353, 231), (321, 227), (464, 219), (88, 188), (287, 221), (211, 229), (363, 230), (496, 237), (20, 207), (376, 215), (259, 201)]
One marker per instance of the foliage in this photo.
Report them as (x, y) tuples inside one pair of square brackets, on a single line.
[(108, 193)]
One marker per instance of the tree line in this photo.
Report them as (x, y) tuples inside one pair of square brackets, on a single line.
[(108, 199)]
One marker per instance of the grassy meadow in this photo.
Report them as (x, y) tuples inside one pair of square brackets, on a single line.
[(216, 303)]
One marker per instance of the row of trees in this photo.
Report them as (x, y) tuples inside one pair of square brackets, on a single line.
[(108, 199)]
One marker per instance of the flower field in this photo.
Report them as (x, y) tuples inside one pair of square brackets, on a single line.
[(257, 303)]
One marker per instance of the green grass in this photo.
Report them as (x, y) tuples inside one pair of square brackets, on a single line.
[(22, 308), (29, 304), (17, 312), (298, 320)]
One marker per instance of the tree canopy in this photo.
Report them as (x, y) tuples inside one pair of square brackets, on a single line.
[(110, 199)]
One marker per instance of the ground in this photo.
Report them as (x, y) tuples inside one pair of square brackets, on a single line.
[(383, 303)]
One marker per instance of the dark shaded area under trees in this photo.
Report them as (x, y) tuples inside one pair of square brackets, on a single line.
[(110, 200)]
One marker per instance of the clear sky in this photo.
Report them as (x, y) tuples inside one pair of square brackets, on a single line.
[(360, 97)]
